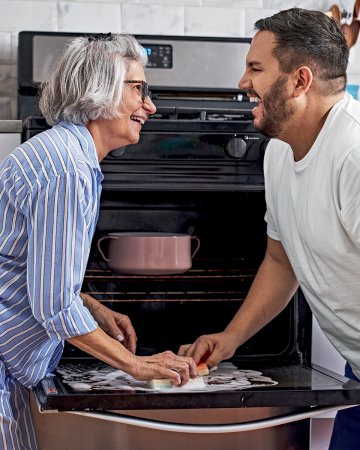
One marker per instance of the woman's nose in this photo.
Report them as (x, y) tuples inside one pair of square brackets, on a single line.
[(149, 106)]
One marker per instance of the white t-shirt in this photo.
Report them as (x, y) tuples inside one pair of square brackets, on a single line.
[(313, 208)]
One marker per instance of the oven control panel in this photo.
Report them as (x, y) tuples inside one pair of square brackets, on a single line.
[(159, 56), (195, 63), (246, 147)]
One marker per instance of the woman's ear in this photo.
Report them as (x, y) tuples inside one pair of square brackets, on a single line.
[(303, 78)]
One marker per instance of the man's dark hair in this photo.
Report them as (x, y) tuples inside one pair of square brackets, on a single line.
[(310, 38)]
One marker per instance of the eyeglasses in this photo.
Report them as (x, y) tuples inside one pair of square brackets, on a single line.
[(145, 92)]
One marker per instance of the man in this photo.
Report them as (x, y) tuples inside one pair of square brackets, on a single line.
[(97, 99), (296, 72)]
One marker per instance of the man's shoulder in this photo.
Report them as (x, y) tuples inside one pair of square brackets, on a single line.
[(276, 150), (277, 145), (348, 115)]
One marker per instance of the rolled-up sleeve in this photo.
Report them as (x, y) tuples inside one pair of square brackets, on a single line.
[(60, 215)]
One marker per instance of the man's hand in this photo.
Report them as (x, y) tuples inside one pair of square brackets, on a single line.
[(210, 348), (116, 325)]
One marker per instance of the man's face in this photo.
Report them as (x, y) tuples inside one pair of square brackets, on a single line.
[(264, 83)]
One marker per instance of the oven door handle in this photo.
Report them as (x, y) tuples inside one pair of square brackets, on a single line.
[(208, 429)]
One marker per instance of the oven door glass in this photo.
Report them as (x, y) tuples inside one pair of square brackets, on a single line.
[(297, 386)]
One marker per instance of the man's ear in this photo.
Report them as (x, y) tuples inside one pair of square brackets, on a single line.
[(303, 78)]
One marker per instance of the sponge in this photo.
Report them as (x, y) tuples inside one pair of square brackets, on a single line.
[(165, 383), (160, 383), (203, 369), (195, 383)]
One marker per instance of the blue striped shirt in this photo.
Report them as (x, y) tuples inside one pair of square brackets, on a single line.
[(50, 188)]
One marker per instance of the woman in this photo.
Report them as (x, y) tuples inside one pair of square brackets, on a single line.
[(97, 99)]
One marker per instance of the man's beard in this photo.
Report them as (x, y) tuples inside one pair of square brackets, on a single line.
[(275, 109)]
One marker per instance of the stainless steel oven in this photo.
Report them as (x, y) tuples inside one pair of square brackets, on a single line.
[(196, 169)]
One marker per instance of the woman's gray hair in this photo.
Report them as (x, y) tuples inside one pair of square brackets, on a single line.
[(86, 82)]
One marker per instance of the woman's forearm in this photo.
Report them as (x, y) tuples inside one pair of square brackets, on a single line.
[(102, 346)]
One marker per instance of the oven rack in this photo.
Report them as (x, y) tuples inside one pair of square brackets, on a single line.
[(195, 285)]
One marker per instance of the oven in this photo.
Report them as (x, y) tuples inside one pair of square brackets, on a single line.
[(197, 169)]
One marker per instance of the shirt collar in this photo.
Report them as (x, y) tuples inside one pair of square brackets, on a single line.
[(85, 140)]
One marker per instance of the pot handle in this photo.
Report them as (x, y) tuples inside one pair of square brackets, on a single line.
[(197, 245), (99, 247)]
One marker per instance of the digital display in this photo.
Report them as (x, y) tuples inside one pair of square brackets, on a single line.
[(159, 56), (148, 50)]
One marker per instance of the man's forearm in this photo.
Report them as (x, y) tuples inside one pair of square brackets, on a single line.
[(272, 289)]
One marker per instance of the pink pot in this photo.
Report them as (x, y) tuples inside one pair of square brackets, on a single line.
[(141, 253)]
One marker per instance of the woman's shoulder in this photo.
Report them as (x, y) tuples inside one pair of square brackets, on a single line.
[(53, 152)]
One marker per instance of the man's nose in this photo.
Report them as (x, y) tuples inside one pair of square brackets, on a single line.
[(244, 82)]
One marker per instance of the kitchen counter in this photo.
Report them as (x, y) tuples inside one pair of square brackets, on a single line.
[(10, 126)]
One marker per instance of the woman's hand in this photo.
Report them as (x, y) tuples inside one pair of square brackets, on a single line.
[(116, 325), (210, 348), (179, 369), (176, 368)]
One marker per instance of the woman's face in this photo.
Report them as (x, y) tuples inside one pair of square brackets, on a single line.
[(115, 133), (134, 111)]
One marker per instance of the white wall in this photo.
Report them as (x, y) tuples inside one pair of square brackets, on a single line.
[(323, 353), (175, 17)]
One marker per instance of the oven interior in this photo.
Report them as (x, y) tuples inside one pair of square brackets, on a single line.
[(171, 310)]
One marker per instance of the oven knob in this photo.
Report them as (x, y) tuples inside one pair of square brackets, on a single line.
[(236, 148), (118, 152)]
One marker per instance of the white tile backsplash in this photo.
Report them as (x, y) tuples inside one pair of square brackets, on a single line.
[(214, 21), (172, 17), (135, 2), (95, 17), (5, 48), (173, 2), (8, 80), (236, 3), (153, 19), (26, 15), (14, 47), (13, 107), (5, 108), (286, 4), (252, 15)]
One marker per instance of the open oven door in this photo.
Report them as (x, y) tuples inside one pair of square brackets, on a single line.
[(308, 391)]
